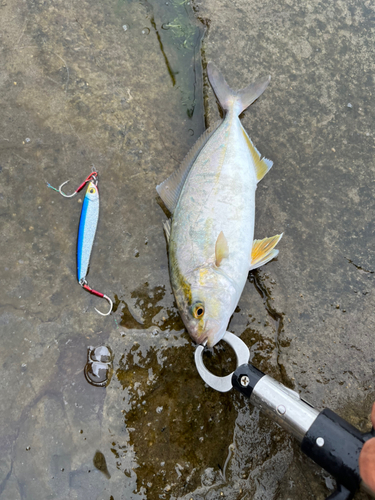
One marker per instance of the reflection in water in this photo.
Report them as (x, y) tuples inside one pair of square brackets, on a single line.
[(174, 421), (149, 307)]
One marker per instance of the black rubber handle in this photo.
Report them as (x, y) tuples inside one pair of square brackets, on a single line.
[(335, 445), (341, 493)]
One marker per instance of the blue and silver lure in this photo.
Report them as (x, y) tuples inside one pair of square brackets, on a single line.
[(86, 231)]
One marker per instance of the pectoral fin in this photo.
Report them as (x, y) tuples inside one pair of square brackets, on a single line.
[(221, 249), (263, 251)]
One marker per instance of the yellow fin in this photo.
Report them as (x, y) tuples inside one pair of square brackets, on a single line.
[(263, 251), (221, 249), (262, 165)]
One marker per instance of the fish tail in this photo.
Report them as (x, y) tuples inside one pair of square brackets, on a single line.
[(238, 100)]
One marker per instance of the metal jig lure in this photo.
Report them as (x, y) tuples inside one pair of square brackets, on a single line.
[(86, 231)]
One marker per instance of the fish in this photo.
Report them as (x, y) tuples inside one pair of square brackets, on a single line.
[(211, 198)]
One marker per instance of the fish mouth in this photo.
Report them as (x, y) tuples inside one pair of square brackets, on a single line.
[(215, 335), (211, 335), (203, 341)]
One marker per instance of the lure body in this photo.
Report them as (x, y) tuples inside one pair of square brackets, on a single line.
[(87, 229)]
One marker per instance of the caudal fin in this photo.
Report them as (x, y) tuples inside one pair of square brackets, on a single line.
[(237, 99)]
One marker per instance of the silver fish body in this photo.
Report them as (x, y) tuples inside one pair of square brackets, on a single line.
[(211, 237)]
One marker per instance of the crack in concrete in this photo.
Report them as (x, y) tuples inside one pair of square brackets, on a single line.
[(5, 480), (277, 318), (360, 267), (206, 86)]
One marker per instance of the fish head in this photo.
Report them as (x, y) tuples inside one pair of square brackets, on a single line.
[(207, 306)]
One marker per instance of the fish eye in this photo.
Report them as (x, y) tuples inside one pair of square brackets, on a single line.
[(92, 190), (198, 310)]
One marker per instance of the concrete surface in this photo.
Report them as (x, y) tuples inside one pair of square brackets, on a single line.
[(118, 85)]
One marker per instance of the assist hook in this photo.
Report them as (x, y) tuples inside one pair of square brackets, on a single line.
[(66, 195), (111, 306), (98, 294), (93, 177)]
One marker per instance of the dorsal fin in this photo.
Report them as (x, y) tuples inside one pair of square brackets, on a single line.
[(170, 190), (262, 165)]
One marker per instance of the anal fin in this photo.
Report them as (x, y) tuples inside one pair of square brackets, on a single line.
[(263, 251)]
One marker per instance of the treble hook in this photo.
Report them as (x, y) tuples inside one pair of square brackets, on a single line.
[(98, 294), (66, 195)]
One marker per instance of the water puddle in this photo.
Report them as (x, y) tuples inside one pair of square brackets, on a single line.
[(149, 307), (171, 422)]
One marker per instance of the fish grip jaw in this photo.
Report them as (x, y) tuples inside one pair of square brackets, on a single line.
[(222, 384)]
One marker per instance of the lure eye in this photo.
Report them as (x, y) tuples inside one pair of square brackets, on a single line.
[(92, 190), (198, 311)]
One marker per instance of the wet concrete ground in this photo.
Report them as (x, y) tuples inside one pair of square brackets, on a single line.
[(119, 85)]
